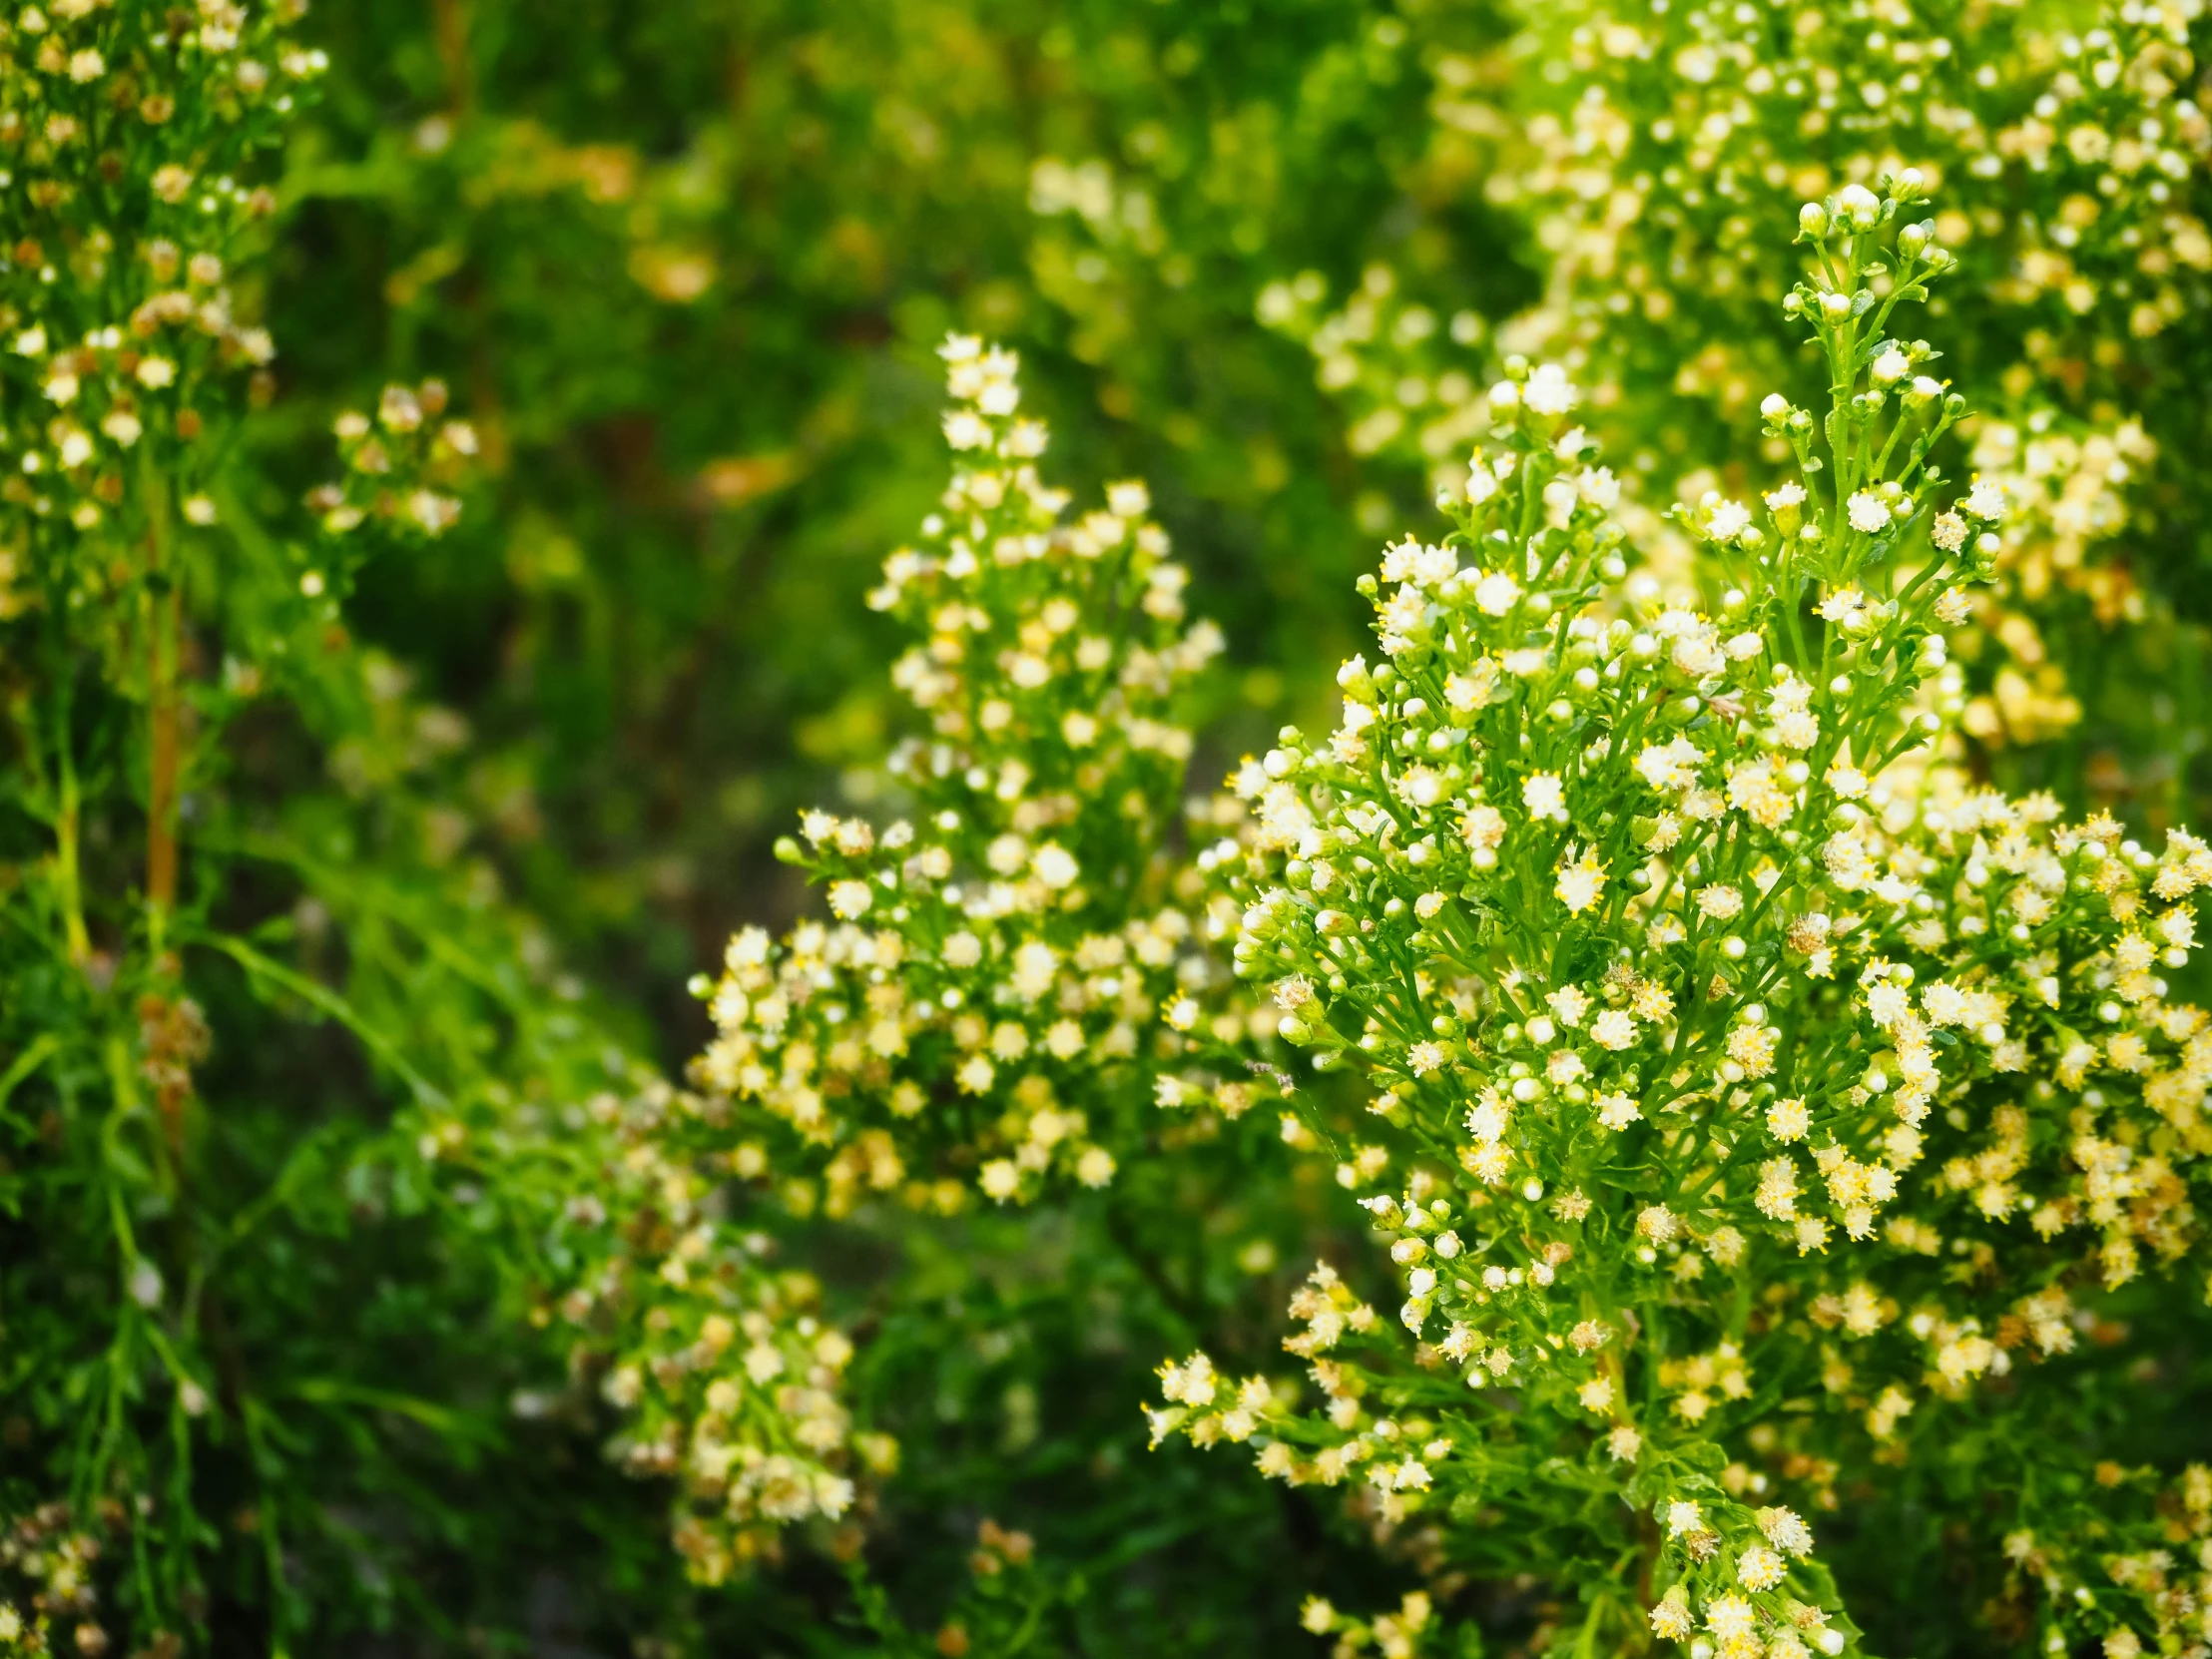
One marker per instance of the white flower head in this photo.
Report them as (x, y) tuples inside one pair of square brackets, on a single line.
[(1544, 796), (1496, 594), (1548, 391), (1725, 520), (1986, 500)]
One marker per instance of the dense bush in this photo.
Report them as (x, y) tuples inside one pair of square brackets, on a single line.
[(1703, 1049)]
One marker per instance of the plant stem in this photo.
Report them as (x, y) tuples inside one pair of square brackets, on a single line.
[(160, 826), (67, 877)]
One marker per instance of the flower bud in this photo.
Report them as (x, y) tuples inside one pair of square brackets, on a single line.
[(1812, 218)]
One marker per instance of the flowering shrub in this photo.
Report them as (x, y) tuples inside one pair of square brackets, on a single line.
[(277, 1113), (1655, 148), (1705, 1046), (1707, 1026), (1711, 1023), (982, 1015)]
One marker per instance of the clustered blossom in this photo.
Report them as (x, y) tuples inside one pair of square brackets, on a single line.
[(1005, 996), (726, 1377), (119, 346), (2071, 152), (1003, 975), (394, 462), (1686, 979), (2072, 487)]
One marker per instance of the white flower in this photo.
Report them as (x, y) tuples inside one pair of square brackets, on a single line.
[(1720, 902), (1730, 1617), (1548, 391), (1035, 964), (1868, 513), (1889, 367), (1758, 1569), (1986, 499), (1481, 481), (1544, 796), (1484, 829), (1054, 866), (1615, 1029), (1840, 604), (1859, 205), (1948, 532), (1671, 765), (1671, 1618), (1726, 520), (1496, 594), (1580, 883), (1785, 1532)]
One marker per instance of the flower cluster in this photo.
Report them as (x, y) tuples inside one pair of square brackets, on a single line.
[(725, 1375), (1008, 988), (52, 1580), (1708, 1021), (985, 1009), (1656, 144), (396, 463), (2059, 572), (2141, 1586), (120, 333)]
